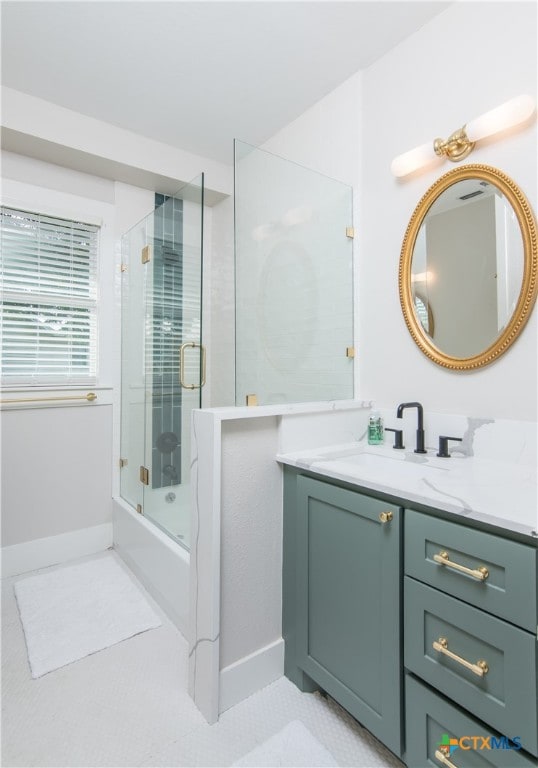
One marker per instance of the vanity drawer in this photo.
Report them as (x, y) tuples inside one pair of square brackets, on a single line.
[(429, 716), (505, 694), (508, 591)]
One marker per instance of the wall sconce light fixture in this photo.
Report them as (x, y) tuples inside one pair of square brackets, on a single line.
[(461, 143)]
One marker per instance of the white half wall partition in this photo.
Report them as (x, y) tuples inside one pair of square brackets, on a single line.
[(236, 644)]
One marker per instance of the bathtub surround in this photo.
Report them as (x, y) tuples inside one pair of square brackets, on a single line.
[(160, 564), (70, 612)]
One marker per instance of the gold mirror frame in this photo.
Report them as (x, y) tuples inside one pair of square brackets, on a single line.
[(527, 294)]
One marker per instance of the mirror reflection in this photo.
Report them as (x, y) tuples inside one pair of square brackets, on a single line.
[(467, 267), (468, 274)]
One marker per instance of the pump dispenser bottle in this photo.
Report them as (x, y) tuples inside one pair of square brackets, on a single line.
[(375, 429)]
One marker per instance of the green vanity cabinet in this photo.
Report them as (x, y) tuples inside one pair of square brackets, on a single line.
[(342, 600), (422, 626), (470, 635), (433, 720)]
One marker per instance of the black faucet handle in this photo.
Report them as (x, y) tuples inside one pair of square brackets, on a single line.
[(443, 445), (398, 437)]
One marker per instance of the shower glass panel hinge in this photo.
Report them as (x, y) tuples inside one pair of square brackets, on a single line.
[(350, 351), (252, 400), (123, 268), (139, 508), (146, 254), (123, 463), (350, 232), (144, 475)]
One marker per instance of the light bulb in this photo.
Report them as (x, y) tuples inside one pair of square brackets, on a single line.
[(410, 161), (505, 116)]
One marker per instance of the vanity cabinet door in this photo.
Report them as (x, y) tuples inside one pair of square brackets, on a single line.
[(348, 602)]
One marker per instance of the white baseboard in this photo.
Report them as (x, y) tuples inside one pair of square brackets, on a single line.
[(250, 674), (40, 553)]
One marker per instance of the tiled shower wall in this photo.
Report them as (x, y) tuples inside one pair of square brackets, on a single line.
[(167, 311)]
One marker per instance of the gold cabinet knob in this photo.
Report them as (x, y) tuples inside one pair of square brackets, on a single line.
[(385, 517)]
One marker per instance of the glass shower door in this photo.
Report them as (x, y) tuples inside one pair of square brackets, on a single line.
[(164, 357), (294, 281)]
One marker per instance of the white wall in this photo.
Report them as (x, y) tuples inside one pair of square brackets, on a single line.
[(59, 462), (327, 137), (56, 470), (251, 525), (464, 62), (467, 60), (45, 131)]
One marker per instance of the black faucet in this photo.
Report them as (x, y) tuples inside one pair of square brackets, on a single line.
[(420, 427), (398, 437), (443, 445)]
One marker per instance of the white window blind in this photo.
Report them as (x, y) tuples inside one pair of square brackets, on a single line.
[(48, 326)]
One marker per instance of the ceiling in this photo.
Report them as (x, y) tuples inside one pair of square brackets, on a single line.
[(196, 75)]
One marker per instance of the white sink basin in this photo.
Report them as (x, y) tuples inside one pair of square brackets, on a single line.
[(389, 465)]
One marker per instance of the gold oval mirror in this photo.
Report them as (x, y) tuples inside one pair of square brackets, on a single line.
[(468, 267)]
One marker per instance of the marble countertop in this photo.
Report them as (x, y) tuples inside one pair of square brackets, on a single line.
[(504, 494)]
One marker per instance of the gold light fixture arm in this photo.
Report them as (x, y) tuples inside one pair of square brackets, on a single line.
[(457, 147)]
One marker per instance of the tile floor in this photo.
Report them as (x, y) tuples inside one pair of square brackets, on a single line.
[(128, 706)]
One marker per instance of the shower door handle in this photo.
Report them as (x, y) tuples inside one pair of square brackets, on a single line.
[(182, 349)]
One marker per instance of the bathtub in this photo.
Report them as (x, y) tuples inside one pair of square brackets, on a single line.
[(162, 565)]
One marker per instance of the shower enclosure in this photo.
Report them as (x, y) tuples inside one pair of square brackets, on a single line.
[(294, 282), (162, 359)]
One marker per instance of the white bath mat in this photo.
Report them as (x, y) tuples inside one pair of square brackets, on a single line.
[(74, 611), (293, 746)]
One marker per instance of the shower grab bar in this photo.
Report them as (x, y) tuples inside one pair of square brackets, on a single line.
[(182, 349), (90, 397)]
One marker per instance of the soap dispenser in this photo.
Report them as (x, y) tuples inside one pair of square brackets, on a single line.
[(375, 429)]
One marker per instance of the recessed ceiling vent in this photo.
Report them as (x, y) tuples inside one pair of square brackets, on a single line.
[(472, 194)]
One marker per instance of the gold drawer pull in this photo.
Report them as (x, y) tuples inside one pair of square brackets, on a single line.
[(481, 667), (481, 573), (442, 759), (385, 517)]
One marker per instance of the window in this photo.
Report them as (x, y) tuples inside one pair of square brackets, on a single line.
[(48, 325)]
